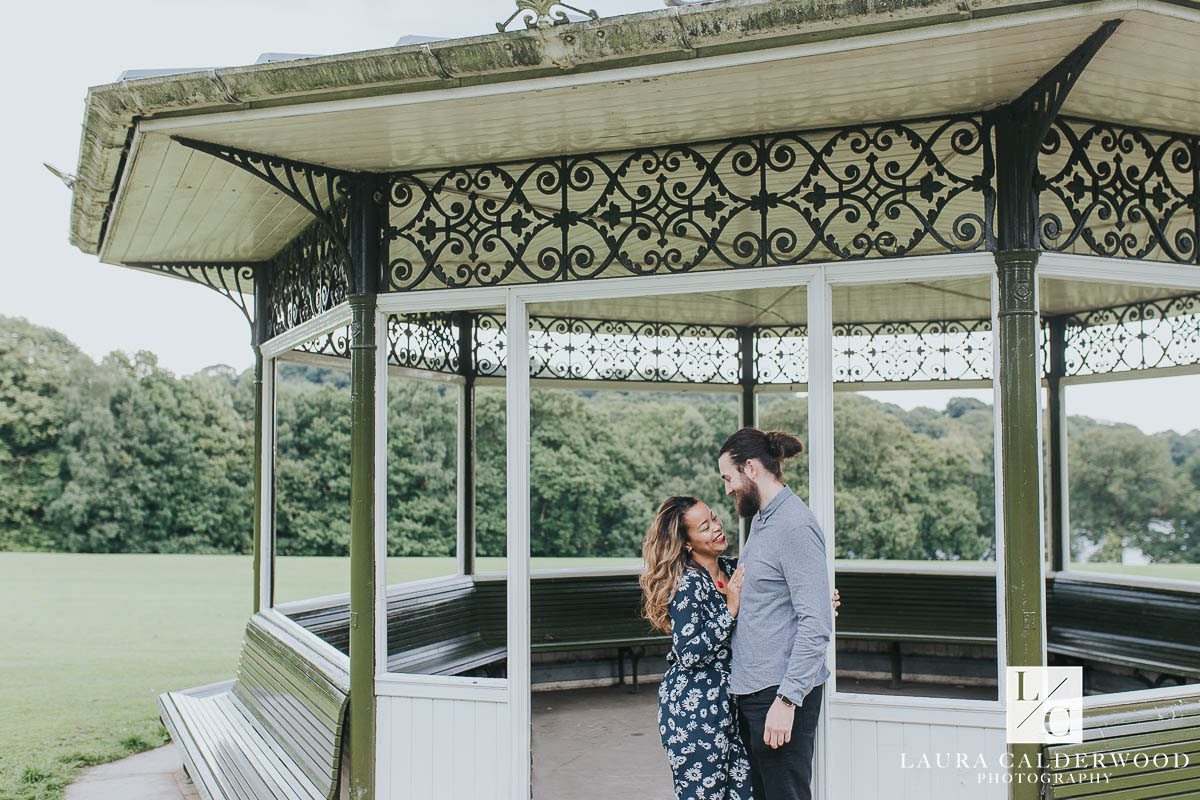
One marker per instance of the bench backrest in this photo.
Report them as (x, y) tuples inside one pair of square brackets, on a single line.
[(1167, 728), (1149, 624), (917, 604), (302, 707), (588, 608)]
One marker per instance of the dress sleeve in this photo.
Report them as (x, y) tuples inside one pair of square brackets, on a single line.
[(697, 635)]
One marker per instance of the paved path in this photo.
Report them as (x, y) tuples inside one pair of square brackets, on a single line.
[(154, 775), (589, 744)]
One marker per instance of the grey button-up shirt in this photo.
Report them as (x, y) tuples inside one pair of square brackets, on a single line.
[(786, 616)]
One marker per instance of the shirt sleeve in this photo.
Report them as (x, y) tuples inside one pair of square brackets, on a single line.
[(697, 635), (802, 562)]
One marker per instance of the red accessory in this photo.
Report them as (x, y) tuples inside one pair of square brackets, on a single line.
[(720, 584)]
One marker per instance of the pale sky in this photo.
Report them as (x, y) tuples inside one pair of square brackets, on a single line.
[(57, 49)]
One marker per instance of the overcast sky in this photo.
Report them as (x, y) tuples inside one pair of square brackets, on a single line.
[(55, 50)]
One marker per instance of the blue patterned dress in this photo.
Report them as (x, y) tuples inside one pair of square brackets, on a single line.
[(696, 718)]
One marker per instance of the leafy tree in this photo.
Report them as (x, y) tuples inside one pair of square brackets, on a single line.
[(1124, 485), (36, 365)]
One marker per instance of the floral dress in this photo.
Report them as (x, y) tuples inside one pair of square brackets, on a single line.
[(696, 717)]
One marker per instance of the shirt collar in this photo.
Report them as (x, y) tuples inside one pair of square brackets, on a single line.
[(766, 511)]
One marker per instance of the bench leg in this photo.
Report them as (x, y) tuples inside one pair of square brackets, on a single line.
[(621, 651), (635, 656), (897, 666)]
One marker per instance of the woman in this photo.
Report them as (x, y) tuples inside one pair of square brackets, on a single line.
[(693, 592)]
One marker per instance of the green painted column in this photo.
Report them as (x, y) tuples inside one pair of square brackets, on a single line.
[(362, 547), (1020, 454), (466, 360), (366, 225), (1056, 442), (748, 378)]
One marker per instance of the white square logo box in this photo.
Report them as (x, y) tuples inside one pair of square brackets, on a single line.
[(1044, 705)]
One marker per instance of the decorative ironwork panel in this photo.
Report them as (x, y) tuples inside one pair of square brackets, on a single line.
[(318, 189), (860, 192), (569, 348), (1142, 336), (1113, 190), (417, 341), (423, 341), (308, 277), (889, 352), (233, 280), (335, 343), (881, 352), (781, 354)]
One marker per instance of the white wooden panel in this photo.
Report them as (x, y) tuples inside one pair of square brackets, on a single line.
[(437, 749), (881, 759)]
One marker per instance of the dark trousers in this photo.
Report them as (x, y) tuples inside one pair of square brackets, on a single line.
[(783, 773)]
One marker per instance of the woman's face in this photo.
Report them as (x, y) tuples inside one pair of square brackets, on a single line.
[(706, 534)]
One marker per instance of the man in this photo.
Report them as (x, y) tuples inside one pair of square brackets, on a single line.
[(786, 621)]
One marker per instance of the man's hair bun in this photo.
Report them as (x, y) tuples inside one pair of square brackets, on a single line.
[(769, 448)]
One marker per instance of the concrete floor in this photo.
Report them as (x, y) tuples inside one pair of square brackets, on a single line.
[(599, 743)]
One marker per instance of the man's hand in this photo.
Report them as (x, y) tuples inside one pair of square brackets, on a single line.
[(778, 731)]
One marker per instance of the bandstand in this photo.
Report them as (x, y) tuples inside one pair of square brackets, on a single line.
[(749, 197)]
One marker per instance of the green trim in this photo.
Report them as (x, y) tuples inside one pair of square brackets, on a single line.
[(362, 547)]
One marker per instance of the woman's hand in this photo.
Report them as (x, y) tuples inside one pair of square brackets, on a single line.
[(733, 591), (837, 601)]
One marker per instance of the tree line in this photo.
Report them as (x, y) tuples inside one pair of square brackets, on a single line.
[(122, 456)]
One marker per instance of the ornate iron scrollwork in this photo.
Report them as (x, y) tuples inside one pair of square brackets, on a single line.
[(335, 343), (229, 279), (320, 190), (308, 277), (781, 354), (542, 14), (569, 348), (1118, 191), (859, 192), (880, 352), (1141, 336), (889, 352), (423, 341), (417, 341)]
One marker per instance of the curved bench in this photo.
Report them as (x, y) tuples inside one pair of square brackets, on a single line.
[(275, 733), (1142, 628), (1104, 767), (930, 605)]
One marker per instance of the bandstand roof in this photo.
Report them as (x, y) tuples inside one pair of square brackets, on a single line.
[(691, 73)]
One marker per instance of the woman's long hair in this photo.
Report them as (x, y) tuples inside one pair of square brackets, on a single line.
[(666, 555)]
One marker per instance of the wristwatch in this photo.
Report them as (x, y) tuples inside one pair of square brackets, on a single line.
[(787, 701)]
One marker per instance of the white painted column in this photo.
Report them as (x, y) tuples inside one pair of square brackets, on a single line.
[(266, 572), (820, 480), (517, 383)]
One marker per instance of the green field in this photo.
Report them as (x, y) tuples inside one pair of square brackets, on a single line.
[(90, 640)]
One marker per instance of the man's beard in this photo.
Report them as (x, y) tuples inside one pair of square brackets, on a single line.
[(747, 502)]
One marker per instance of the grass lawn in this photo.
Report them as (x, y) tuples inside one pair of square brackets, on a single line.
[(90, 640), (1185, 572)]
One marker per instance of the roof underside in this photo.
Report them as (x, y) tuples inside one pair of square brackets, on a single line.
[(764, 67)]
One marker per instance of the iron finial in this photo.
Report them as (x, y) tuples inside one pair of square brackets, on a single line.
[(543, 14)]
